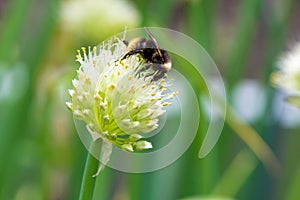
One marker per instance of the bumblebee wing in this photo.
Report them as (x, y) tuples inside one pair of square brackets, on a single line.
[(154, 41)]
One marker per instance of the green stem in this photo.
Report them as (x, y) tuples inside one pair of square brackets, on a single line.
[(88, 181)]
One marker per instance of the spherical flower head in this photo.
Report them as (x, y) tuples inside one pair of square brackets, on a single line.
[(116, 102), (97, 16), (288, 76)]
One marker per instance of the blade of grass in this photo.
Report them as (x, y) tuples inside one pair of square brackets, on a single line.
[(162, 11), (19, 112), (208, 197), (293, 190), (248, 15), (279, 20), (202, 173), (254, 141), (11, 28), (236, 174), (161, 184), (200, 21)]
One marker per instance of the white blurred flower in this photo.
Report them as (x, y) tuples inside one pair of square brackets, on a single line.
[(288, 77), (14, 82), (115, 103), (249, 100), (287, 115), (91, 19)]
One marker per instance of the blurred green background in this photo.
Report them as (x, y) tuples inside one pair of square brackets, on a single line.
[(41, 155)]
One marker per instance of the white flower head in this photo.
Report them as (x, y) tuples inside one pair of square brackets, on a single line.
[(115, 102), (97, 16), (288, 77)]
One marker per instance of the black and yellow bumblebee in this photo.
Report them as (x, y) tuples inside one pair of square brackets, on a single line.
[(157, 61)]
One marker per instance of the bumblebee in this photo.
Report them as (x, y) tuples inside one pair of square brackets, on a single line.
[(158, 61)]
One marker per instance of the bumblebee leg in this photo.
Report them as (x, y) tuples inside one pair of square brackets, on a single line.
[(151, 69), (132, 52), (158, 76), (159, 72), (142, 69)]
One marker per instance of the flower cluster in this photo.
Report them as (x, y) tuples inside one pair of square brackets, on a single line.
[(288, 77), (97, 16), (117, 104)]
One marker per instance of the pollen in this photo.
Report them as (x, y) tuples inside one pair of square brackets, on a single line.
[(122, 62), (119, 73), (88, 80), (129, 78), (153, 94), (112, 86), (166, 103), (133, 87), (97, 97)]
